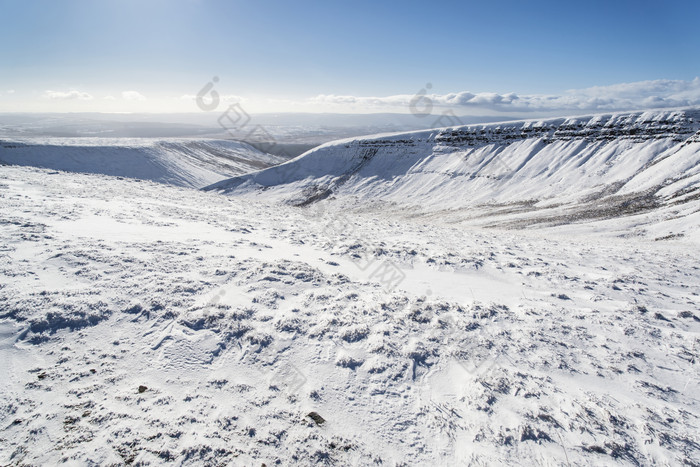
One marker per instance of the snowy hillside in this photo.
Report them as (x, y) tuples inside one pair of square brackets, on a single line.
[(511, 174), (147, 324), (349, 307), (191, 163)]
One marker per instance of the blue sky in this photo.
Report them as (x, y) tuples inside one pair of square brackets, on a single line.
[(481, 57)]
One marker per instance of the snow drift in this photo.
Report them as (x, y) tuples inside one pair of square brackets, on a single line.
[(190, 163)]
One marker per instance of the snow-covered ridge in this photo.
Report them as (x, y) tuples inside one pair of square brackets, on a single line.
[(593, 166), (638, 126), (181, 162)]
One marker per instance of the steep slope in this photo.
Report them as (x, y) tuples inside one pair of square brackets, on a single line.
[(190, 163), (552, 171)]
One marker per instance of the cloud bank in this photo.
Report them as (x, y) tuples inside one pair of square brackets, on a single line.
[(70, 95), (625, 96)]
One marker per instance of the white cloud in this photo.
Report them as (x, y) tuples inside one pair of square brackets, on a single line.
[(637, 95), (70, 95), (231, 98), (10, 91), (226, 98), (398, 100), (109, 98), (133, 96)]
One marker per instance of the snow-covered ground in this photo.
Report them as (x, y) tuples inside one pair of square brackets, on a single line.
[(182, 162), (522, 294), (144, 323)]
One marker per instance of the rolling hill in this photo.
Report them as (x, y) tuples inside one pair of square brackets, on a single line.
[(180, 162)]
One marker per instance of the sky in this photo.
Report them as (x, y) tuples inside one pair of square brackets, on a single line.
[(479, 58)]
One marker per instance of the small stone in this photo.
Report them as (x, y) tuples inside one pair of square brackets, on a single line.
[(142, 389), (317, 418)]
